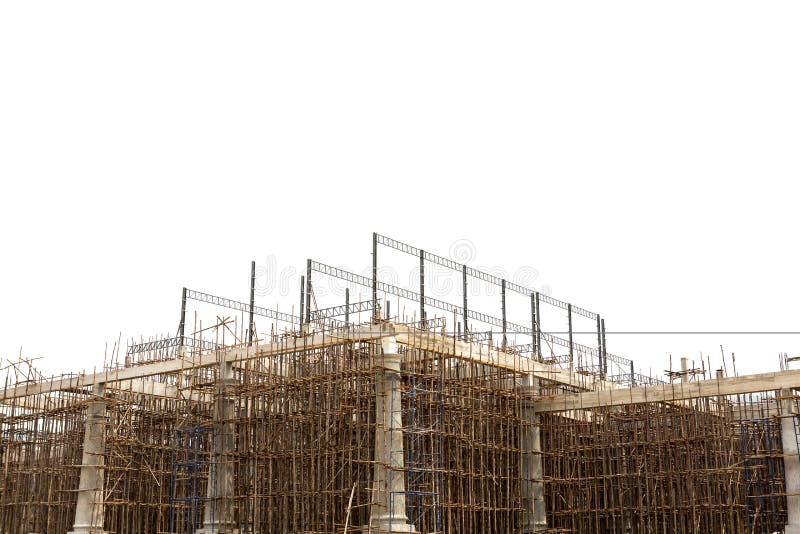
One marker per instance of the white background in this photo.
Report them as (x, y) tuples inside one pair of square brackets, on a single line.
[(642, 157)]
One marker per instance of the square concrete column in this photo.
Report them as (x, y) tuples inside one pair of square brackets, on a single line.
[(791, 461), (388, 509), (218, 512), (534, 518), (89, 509)]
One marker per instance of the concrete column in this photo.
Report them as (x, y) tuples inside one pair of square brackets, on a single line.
[(388, 509), (89, 510), (791, 462), (684, 369), (218, 512), (534, 518)]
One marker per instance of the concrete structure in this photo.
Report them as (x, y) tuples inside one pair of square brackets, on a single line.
[(313, 424), (218, 516), (89, 507), (388, 510), (535, 517), (388, 504)]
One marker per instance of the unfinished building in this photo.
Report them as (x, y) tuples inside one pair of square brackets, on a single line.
[(452, 421)]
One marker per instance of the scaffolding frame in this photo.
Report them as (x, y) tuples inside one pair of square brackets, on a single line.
[(621, 451)]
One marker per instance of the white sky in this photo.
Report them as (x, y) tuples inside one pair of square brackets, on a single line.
[(641, 157)]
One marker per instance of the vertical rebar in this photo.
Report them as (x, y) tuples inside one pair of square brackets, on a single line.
[(503, 305), (464, 283), (347, 306), (605, 352), (538, 327), (571, 352), (252, 301), (302, 296), (182, 323), (375, 312), (308, 292), (534, 326), (422, 286), (600, 350)]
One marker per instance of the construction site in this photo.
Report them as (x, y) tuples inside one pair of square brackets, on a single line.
[(398, 412)]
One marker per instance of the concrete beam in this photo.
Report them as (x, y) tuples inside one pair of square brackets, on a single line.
[(21, 406), (89, 508), (388, 508), (495, 357), (206, 359), (124, 378), (671, 392), (151, 388)]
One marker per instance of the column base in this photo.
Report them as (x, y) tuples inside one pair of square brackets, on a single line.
[(390, 525), (530, 529), (218, 529), (87, 530)]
